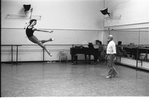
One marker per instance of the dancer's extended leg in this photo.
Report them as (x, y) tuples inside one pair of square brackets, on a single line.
[(35, 40), (40, 44), (44, 41)]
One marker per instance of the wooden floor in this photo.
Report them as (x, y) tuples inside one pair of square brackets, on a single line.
[(65, 79)]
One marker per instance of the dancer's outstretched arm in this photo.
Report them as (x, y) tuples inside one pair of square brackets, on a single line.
[(43, 30)]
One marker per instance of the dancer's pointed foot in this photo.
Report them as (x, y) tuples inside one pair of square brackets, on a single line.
[(50, 55), (51, 39), (51, 31)]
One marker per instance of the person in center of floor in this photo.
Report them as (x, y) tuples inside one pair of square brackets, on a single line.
[(111, 51)]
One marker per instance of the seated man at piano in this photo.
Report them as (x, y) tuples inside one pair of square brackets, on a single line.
[(120, 51), (92, 51), (101, 50)]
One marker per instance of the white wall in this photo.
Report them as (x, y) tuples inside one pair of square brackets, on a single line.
[(70, 19), (76, 21), (133, 25), (129, 36), (56, 14), (73, 22), (18, 36), (131, 11)]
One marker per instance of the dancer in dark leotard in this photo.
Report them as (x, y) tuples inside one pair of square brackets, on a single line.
[(30, 34)]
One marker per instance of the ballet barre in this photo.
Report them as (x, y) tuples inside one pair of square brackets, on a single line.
[(12, 50), (43, 51), (136, 51), (17, 51)]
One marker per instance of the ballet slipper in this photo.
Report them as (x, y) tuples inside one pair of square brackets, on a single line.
[(51, 39), (50, 55)]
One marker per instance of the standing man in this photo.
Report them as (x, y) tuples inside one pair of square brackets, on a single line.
[(111, 51)]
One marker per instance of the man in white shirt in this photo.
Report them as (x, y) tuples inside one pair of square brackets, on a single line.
[(111, 51)]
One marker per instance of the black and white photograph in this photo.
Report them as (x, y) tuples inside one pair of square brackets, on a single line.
[(74, 48)]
